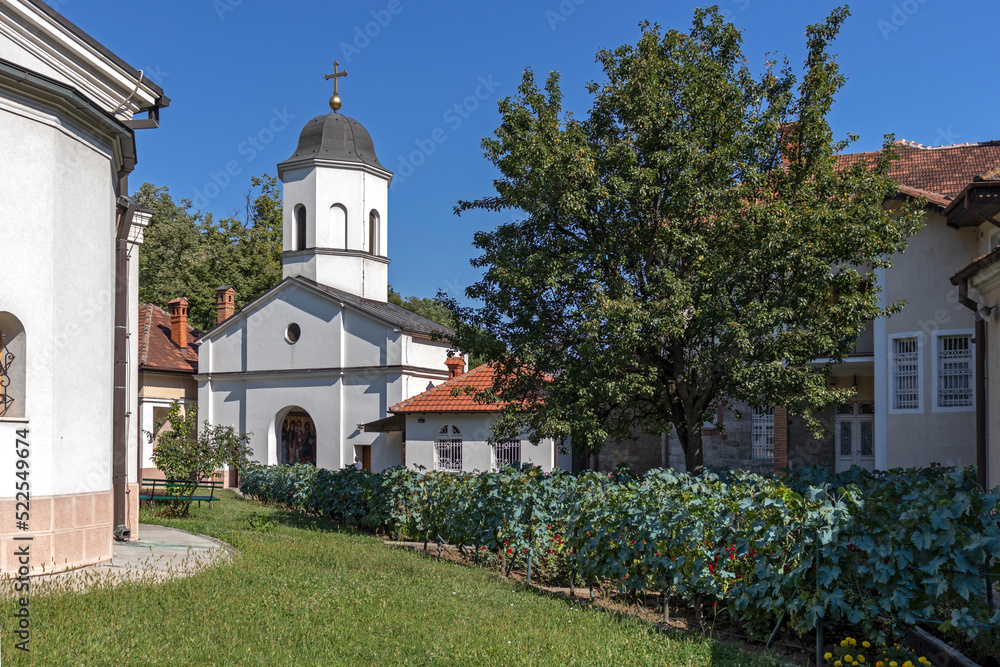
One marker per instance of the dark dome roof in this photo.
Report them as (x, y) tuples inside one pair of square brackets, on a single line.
[(336, 137)]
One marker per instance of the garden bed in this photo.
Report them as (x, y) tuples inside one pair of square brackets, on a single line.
[(868, 553)]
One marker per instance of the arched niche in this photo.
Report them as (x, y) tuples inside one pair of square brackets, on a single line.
[(337, 233), (299, 230), (295, 436), (13, 364), (374, 232)]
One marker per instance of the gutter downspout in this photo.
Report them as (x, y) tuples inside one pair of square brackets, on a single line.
[(981, 342), (119, 457)]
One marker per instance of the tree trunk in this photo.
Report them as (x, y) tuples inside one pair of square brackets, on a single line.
[(694, 454)]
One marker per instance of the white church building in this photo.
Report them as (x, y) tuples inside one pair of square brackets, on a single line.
[(303, 367), (69, 108)]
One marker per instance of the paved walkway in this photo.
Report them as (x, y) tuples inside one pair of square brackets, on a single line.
[(159, 554)]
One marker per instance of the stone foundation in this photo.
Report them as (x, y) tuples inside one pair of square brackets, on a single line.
[(67, 531)]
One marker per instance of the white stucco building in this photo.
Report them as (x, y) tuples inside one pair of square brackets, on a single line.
[(447, 429), (68, 233), (304, 366)]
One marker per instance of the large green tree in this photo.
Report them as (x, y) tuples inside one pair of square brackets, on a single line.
[(692, 241), (190, 254)]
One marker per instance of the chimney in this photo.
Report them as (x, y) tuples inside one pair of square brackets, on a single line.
[(225, 302), (456, 366), (179, 321), (789, 136)]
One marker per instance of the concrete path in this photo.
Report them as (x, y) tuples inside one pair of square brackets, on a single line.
[(159, 554)]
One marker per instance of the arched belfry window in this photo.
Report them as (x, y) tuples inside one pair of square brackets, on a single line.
[(373, 229), (300, 227), (338, 227), (12, 366)]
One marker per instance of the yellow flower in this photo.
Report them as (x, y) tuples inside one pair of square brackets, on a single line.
[(849, 658), (861, 659), (893, 664), (866, 644), (837, 664), (827, 655), (907, 664)]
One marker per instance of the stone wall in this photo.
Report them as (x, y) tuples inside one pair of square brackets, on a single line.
[(643, 453), (804, 449), (728, 446)]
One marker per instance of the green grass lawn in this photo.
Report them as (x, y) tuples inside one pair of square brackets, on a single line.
[(303, 592)]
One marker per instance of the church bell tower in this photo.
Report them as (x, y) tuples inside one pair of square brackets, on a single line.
[(335, 200)]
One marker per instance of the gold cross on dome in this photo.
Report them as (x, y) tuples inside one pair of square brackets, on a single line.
[(335, 101)]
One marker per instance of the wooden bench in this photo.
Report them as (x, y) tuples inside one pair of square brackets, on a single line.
[(178, 489)]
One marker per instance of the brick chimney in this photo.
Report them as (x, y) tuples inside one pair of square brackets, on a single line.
[(225, 302), (456, 366), (789, 140), (179, 321)]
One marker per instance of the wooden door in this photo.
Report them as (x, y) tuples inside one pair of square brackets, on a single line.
[(366, 457)]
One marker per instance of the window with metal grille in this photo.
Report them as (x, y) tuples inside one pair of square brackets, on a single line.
[(506, 454), (906, 374), (762, 433), (448, 449), (954, 369)]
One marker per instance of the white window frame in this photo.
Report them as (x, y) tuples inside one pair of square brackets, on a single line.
[(448, 435), (495, 460), (891, 361), (936, 342), (762, 434)]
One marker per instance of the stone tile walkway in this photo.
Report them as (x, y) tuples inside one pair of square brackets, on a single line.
[(159, 554)]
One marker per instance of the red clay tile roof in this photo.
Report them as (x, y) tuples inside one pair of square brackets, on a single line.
[(156, 351), (936, 172), (440, 398)]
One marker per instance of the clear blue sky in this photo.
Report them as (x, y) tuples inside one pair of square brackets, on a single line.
[(921, 69)]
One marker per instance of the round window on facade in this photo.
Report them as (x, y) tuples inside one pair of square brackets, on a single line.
[(293, 332)]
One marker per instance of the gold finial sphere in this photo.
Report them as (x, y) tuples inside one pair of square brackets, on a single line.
[(336, 103)]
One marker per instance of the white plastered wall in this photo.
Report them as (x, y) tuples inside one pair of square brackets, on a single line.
[(476, 449), (921, 277), (58, 240)]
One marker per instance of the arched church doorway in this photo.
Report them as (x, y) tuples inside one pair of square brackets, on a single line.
[(297, 438)]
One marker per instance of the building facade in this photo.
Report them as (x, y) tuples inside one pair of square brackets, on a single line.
[(68, 108), (445, 428), (306, 365)]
